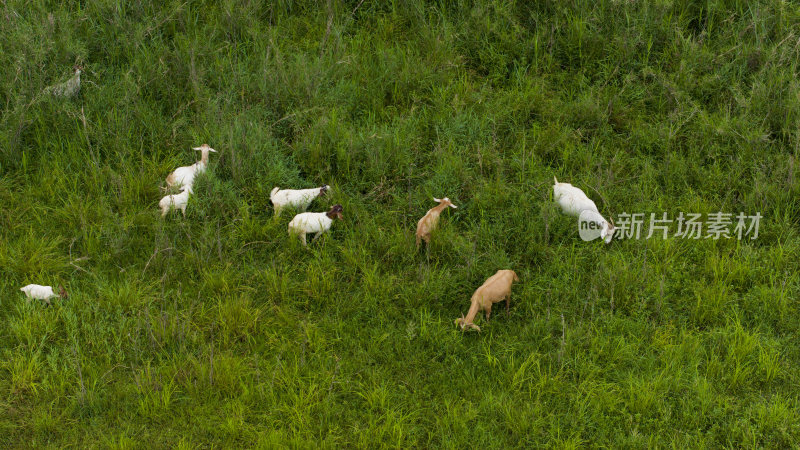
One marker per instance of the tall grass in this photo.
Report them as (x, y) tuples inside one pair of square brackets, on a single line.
[(219, 330)]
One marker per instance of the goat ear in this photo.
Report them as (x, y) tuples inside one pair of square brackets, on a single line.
[(437, 200), (453, 206)]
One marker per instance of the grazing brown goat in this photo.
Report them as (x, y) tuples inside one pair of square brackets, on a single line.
[(495, 289), (428, 222)]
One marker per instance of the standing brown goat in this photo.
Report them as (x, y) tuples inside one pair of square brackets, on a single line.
[(429, 221), (495, 289)]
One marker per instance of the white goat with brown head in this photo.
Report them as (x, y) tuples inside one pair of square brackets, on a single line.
[(295, 198), (495, 289), (430, 220), (310, 222)]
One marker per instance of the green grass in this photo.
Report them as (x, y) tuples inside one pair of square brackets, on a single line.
[(218, 330)]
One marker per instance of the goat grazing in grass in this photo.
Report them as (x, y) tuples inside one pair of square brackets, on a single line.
[(430, 220), (175, 201), (495, 289), (68, 88), (184, 176), (44, 293), (574, 201), (295, 198), (318, 223)]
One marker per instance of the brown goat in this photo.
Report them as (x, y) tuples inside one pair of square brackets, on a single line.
[(495, 289), (429, 221)]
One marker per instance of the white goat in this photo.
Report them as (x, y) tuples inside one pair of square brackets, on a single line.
[(295, 198), (44, 293), (175, 201), (319, 223), (574, 201), (184, 176), (68, 88)]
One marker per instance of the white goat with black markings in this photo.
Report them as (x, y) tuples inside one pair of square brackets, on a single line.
[(295, 198), (310, 222)]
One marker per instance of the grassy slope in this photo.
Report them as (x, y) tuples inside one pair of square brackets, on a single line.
[(217, 329)]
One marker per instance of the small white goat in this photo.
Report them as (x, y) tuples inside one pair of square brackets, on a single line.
[(295, 198), (184, 176), (574, 201), (175, 201), (44, 293), (67, 88), (319, 223)]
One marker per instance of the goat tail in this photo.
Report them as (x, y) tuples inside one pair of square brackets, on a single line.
[(274, 190)]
